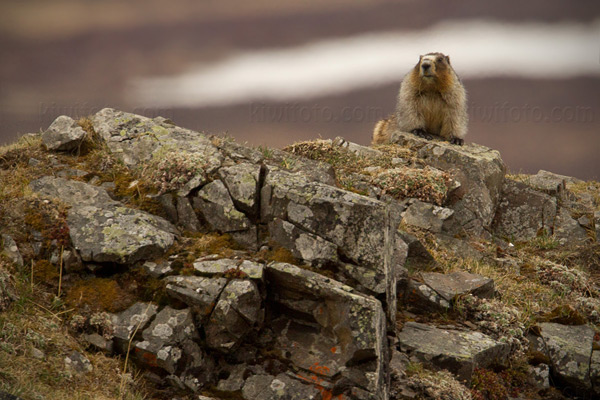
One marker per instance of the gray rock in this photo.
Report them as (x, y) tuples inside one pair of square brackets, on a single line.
[(342, 331), (479, 170), (131, 321), (248, 239), (234, 316), (304, 245), (459, 352), (198, 367), (242, 182), (73, 193), (64, 134), (459, 283), (569, 348), (567, 229), (135, 139), (163, 339), (280, 387), (523, 212), (11, 250), (238, 152), (101, 229), (215, 205), (78, 363), (157, 270), (118, 234), (550, 183), (437, 291), (427, 216), (198, 292)]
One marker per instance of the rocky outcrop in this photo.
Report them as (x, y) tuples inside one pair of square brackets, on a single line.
[(242, 324)]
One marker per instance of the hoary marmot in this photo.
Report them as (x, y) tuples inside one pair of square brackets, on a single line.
[(431, 101)]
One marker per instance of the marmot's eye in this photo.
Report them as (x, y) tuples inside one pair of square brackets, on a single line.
[(439, 60)]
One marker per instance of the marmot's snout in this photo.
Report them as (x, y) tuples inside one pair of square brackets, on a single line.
[(426, 69)]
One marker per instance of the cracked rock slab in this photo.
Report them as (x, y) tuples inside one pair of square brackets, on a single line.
[(570, 350), (523, 212), (103, 230), (242, 182), (135, 139), (427, 216), (342, 332), (459, 352)]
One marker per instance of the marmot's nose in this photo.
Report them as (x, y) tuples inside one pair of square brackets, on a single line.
[(425, 66)]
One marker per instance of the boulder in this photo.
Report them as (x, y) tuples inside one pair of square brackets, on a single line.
[(427, 216), (135, 139), (338, 336), (216, 207), (567, 229), (198, 292), (64, 134), (118, 234), (186, 217), (235, 315), (459, 352), (570, 350), (524, 212), (103, 230), (242, 182), (478, 169), (550, 183)]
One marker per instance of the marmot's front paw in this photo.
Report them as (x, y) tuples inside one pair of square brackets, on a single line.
[(457, 141), (422, 133)]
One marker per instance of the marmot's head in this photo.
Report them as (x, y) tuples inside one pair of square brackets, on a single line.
[(434, 69)]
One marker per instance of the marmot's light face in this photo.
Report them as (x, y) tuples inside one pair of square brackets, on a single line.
[(430, 65)]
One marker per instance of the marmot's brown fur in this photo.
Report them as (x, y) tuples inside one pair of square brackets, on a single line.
[(431, 101)]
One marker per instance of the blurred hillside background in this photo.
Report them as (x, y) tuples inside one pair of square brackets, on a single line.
[(272, 73)]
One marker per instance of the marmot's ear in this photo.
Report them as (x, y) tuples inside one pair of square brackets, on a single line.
[(448, 59)]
